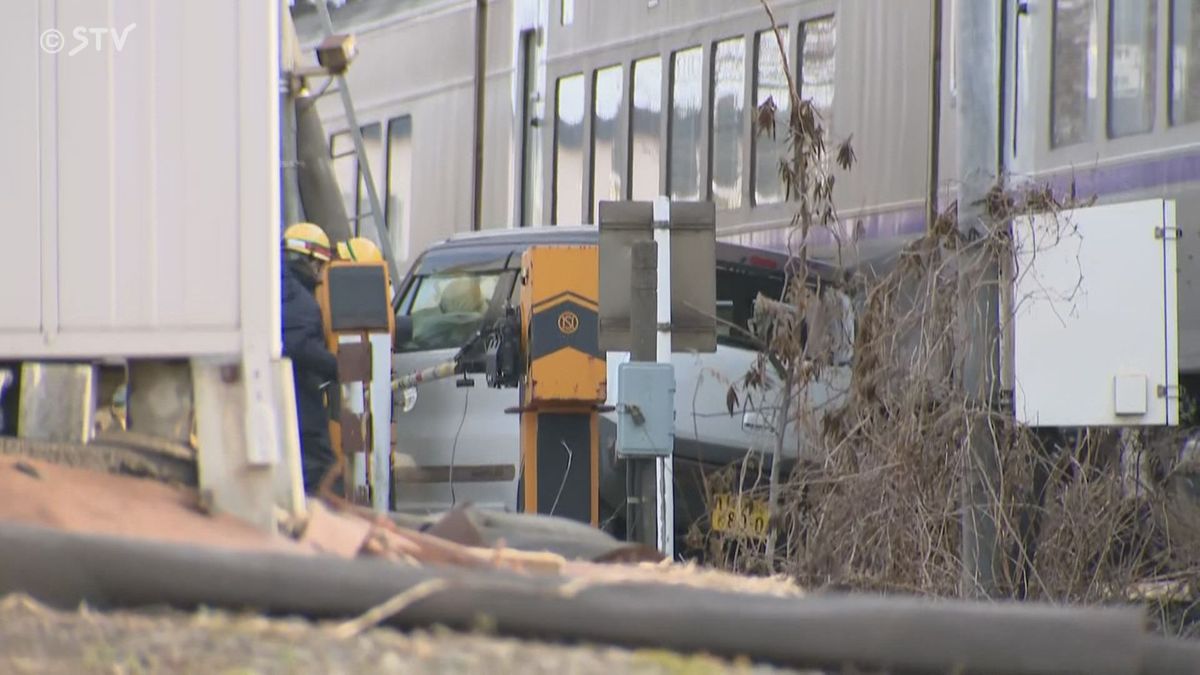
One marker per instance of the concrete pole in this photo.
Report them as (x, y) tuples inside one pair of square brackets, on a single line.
[(979, 24), (320, 196)]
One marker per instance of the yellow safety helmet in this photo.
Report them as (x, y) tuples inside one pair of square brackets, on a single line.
[(307, 239), (359, 249)]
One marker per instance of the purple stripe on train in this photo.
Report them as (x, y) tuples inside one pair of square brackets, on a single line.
[(1159, 172), (1117, 179)]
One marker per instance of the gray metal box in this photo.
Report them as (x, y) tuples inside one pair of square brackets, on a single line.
[(645, 409)]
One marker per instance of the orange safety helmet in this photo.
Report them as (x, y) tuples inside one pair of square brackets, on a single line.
[(359, 249), (307, 239)]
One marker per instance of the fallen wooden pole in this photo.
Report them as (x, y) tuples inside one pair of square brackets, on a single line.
[(906, 634)]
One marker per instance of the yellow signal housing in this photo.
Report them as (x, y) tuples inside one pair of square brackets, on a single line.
[(565, 381)]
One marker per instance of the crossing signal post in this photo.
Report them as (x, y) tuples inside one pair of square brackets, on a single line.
[(655, 299), (356, 307)]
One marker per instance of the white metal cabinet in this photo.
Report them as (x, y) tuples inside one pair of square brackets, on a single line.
[(140, 179), (1095, 320)]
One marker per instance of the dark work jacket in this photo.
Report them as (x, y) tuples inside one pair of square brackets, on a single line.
[(312, 363)]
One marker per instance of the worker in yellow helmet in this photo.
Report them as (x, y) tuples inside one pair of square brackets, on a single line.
[(359, 249), (306, 251)]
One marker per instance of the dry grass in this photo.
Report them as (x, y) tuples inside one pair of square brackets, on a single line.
[(1081, 515)]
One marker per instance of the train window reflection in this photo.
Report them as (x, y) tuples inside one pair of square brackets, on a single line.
[(568, 151), (645, 120), (770, 82), (728, 119), (606, 164), (1074, 72), (1185, 61), (399, 184), (372, 136), (345, 168), (818, 47), (1132, 52), (685, 136)]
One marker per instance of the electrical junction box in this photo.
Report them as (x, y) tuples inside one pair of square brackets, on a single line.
[(645, 409), (1090, 346)]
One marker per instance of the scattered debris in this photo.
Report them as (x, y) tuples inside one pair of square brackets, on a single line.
[(530, 593), (94, 502), (334, 533), (83, 501)]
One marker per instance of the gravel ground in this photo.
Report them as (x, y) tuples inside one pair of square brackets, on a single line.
[(35, 639)]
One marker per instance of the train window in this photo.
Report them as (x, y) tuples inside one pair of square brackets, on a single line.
[(818, 47), (1185, 61), (728, 118), (606, 167), (372, 136), (341, 154), (1132, 54), (399, 184), (684, 142), (770, 81), (645, 119), (1074, 71), (568, 151)]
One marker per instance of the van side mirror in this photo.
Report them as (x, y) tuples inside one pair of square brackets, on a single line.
[(404, 331)]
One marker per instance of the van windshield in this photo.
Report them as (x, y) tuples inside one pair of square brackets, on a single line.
[(447, 308)]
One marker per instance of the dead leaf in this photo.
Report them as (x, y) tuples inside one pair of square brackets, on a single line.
[(845, 154), (766, 117)]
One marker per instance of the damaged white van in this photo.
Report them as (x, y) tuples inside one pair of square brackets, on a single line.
[(453, 441)]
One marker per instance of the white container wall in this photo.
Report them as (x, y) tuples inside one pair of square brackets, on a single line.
[(139, 182)]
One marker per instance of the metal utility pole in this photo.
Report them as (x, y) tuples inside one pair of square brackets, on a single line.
[(979, 25), (642, 509), (664, 469), (651, 503), (481, 27)]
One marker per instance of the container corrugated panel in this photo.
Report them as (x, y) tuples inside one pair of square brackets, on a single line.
[(139, 186)]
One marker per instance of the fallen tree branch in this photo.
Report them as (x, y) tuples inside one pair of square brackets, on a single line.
[(388, 610)]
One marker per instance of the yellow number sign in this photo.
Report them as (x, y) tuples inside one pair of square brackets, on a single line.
[(739, 515)]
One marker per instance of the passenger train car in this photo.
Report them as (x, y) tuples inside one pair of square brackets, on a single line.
[(588, 100)]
